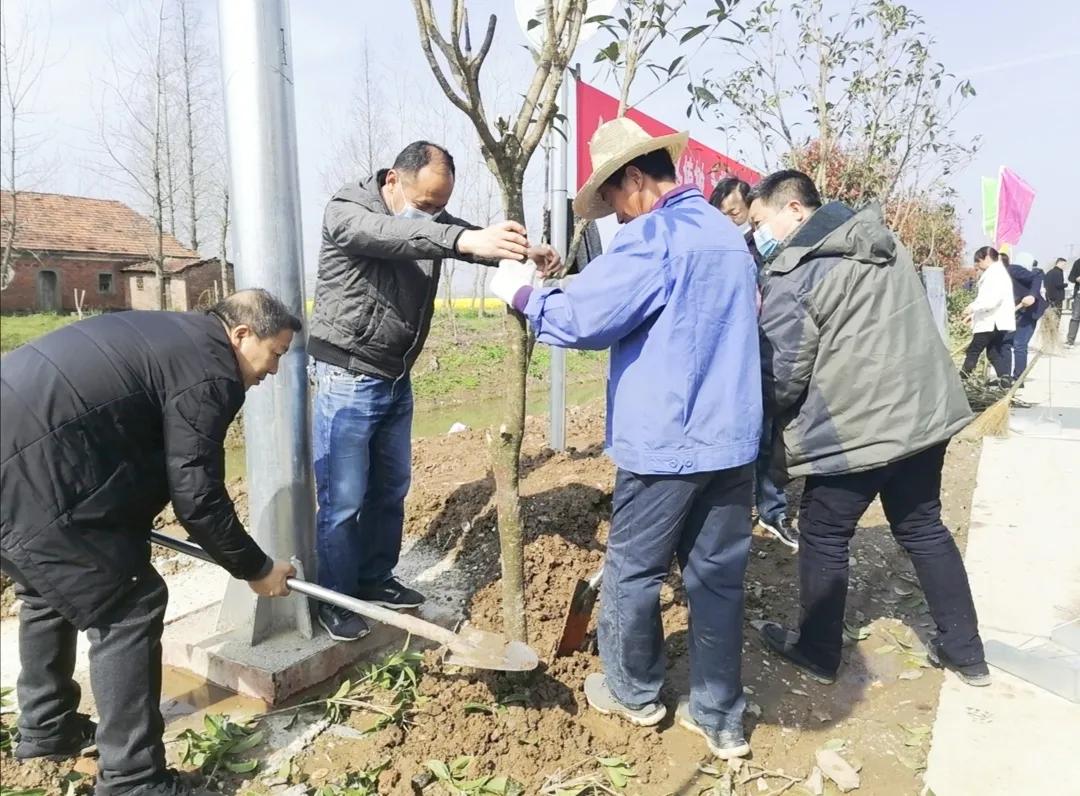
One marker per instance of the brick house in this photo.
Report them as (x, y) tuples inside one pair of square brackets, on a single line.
[(67, 243), (189, 284)]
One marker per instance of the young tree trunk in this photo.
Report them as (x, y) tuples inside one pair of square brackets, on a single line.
[(506, 455), (189, 125), (226, 283)]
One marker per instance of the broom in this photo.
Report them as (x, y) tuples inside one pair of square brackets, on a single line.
[(994, 421), (1050, 333)]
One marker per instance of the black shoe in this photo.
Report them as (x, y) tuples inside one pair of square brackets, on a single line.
[(973, 674), (777, 639), (342, 625), (783, 529), (391, 594), (169, 784), (79, 742)]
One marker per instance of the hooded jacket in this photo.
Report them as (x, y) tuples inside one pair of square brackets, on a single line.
[(852, 363)]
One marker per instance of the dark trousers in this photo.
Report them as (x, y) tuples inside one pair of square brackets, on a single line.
[(910, 494), (998, 347), (125, 675), (1025, 330), (703, 519), (768, 483), (1074, 319)]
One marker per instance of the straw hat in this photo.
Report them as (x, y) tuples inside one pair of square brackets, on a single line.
[(613, 145)]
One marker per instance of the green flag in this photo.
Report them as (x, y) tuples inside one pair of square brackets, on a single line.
[(990, 206)]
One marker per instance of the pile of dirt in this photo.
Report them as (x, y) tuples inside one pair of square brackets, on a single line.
[(533, 728)]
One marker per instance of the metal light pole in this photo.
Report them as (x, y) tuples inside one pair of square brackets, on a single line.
[(256, 67), (559, 153)]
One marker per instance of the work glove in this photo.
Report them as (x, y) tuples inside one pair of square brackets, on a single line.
[(510, 277)]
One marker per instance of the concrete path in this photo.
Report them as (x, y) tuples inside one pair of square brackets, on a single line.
[(1023, 559)]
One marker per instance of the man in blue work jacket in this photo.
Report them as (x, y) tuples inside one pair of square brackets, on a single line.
[(675, 301)]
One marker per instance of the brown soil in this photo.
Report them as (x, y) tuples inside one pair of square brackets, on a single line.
[(566, 504), (540, 724)]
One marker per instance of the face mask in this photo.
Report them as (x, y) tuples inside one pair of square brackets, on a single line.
[(409, 211), (765, 241)]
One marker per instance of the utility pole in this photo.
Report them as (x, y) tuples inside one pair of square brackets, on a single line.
[(560, 149), (257, 75)]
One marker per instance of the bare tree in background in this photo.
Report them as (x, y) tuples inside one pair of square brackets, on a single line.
[(134, 141), (194, 84), (508, 146), (22, 60), (366, 146)]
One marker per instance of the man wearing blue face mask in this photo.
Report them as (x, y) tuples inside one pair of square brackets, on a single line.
[(867, 399), (383, 242)]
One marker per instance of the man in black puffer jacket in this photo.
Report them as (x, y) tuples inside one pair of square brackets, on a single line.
[(103, 423)]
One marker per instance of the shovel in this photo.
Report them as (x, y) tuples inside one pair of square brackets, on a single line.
[(582, 600), (471, 646)]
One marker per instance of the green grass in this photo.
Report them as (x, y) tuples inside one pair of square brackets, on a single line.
[(18, 329), (464, 358)]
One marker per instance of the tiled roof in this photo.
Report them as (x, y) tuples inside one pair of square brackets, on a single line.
[(173, 265), (55, 222)]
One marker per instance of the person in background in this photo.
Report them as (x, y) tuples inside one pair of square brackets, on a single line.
[(1054, 285), (675, 300), (1029, 306), (730, 198), (103, 423), (867, 409), (1074, 319), (383, 243), (992, 316)]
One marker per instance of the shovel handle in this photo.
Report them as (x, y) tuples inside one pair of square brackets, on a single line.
[(410, 624)]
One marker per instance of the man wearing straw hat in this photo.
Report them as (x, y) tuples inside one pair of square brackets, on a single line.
[(675, 301)]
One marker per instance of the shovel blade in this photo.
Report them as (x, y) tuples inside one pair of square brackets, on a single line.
[(482, 649), (576, 624)]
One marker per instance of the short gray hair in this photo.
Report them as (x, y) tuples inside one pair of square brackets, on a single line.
[(258, 309)]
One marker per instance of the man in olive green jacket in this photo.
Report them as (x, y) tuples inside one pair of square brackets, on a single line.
[(867, 399)]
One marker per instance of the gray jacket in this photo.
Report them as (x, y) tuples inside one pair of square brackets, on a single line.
[(378, 276), (852, 364)]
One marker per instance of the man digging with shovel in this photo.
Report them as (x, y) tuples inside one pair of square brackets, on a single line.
[(675, 301), (103, 423)]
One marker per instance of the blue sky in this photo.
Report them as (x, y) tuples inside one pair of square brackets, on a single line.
[(1023, 59)]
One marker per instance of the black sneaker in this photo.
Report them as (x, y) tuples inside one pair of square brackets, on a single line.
[(778, 639), (79, 742), (170, 784), (783, 529), (342, 625), (974, 674), (725, 744), (391, 593)]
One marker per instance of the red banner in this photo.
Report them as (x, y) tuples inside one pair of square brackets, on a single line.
[(699, 164)]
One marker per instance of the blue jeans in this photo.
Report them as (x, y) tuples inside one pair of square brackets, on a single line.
[(771, 500), (703, 519), (1025, 330), (362, 441)]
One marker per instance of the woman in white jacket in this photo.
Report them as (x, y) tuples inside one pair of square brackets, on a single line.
[(992, 316)]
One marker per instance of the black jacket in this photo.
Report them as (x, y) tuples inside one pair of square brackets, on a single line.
[(1054, 285), (1074, 277), (378, 276), (103, 422)]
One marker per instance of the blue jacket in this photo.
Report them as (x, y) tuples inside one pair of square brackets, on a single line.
[(1027, 282), (675, 300)]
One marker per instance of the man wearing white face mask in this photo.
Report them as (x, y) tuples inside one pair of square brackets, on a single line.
[(383, 242)]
